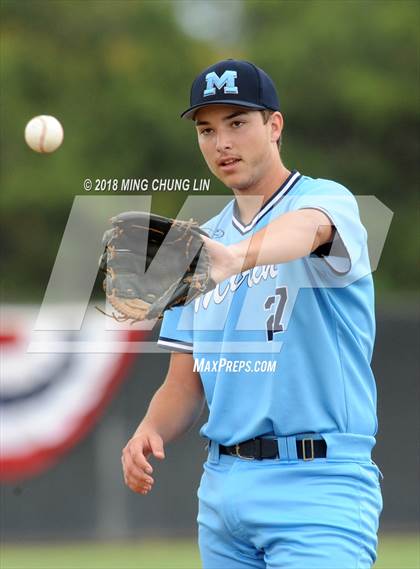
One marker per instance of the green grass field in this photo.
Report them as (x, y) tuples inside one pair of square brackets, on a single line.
[(395, 552)]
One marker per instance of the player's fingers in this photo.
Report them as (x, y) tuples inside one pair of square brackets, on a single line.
[(156, 444), (132, 471), (139, 488), (124, 469), (135, 452), (135, 478), (136, 483), (140, 462)]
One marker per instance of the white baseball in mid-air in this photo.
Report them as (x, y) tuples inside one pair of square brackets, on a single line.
[(44, 133)]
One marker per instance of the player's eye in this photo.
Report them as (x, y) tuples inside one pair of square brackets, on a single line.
[(237, 124), (205, 131)]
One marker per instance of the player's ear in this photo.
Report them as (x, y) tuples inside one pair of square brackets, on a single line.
[(276, 124)]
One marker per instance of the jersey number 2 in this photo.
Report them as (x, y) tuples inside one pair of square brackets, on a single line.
[(274, 320)]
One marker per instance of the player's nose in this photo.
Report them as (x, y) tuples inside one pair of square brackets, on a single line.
[(223, 142)]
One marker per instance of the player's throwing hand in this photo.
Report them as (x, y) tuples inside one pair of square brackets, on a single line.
[(224, 263), (136, 468)]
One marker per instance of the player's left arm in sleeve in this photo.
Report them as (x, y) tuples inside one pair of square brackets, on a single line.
[(176, 333), (324, 222)]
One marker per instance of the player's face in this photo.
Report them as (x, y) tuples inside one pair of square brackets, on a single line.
[(236, 144)]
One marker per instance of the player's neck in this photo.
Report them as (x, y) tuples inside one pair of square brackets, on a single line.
[(265, 188)]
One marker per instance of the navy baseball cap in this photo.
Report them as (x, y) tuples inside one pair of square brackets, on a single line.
[(232, 82)]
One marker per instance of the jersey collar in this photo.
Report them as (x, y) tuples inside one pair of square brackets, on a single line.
[(278, 195)]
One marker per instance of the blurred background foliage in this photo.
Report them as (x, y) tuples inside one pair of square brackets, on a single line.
[(117, 74)]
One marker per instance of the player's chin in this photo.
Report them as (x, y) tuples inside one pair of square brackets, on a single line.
[(240, 183), (234, 179)]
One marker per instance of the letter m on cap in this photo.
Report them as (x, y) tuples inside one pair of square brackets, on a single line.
[(227, 80)]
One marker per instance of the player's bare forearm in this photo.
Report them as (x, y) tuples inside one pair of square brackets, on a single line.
[(178, 403), (289, 237), (175, 407), (172, 412)]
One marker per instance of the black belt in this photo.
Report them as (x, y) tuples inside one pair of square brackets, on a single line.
[(259, 448)]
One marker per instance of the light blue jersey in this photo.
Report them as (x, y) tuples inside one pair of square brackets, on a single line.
[(286, 349)]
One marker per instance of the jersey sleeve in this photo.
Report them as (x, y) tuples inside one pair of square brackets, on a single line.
[(348, 251), (176, 333)]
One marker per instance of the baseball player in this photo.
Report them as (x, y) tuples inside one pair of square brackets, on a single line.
[(280, 350)]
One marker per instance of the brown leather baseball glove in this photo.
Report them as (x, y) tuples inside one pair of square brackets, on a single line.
[(152, 264)]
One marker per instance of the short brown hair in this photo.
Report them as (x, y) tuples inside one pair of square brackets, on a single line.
[(266, 114)]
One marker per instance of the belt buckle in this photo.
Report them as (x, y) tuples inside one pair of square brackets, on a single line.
[(239, 455), (304, 455)]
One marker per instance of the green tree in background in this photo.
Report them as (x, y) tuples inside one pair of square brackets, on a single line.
[(117, 74), (348, 75)]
